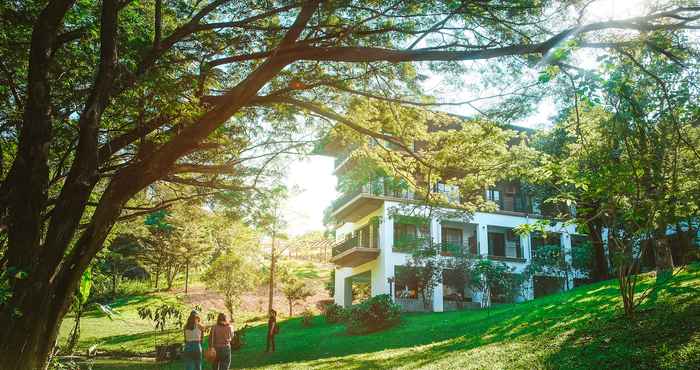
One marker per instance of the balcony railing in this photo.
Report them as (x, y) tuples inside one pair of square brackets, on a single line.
[(342, 157), (519, 203), (375, 188), (345, 245)]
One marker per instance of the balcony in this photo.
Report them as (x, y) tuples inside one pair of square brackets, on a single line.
[(353, 205), (342, 161), (510, 199), (361, 247)]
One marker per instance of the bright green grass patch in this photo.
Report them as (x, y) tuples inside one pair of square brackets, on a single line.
[(126, 332), (582, 328), (308, 269)]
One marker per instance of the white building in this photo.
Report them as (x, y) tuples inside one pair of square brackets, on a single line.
[(371, 231)]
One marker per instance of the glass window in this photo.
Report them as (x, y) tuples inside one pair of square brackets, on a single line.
[(497, 244), (493, 195), (452, 235)]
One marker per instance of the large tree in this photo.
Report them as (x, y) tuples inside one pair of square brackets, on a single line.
[(626, 154), (102, 99)]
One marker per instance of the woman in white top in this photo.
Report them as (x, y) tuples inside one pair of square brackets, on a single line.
[(194, 333)]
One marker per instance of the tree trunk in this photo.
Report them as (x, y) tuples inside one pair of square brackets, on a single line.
[(157, 277), (75, 332), (272, 276), (600, 263), (291, 303), (663, 256), (114, 284), (187, 275), (170, 276), (30, 326)]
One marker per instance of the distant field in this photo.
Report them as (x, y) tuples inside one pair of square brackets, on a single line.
[(579, 329)]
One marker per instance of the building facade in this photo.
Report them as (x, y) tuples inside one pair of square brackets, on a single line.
[(375, 236)]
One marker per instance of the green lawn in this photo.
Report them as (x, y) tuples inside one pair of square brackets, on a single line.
[(581, 328), (126, 331)]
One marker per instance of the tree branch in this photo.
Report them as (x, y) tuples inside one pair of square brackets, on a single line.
[(265, 100)]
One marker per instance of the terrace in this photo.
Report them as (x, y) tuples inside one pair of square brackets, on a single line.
[(360, 247)]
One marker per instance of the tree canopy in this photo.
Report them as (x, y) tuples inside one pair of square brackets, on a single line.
[(100, 100)]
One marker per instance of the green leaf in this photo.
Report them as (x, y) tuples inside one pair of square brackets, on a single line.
[(85, 286)]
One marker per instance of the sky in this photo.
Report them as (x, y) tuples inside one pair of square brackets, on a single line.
[(312, 178)]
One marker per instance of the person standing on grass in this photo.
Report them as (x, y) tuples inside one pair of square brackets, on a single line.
[(194, 333), (220, 340), (272, 330)]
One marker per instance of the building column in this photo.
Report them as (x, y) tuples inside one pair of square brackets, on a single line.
[(386, 231), (342, 287), (437, 298), (436, 236), (347, 292), (566, 247), (482, 238), (385, 264), (529, 289), (525, 245)]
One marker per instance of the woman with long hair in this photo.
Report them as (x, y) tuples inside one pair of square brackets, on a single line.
[(194, 333), (220, 340)]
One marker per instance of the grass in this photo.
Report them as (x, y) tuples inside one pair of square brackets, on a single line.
[(126, 332), (308, 270), (579, 329)]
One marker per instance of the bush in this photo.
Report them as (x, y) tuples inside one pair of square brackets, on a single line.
[(374, 314), (307, 318), (334, 313)]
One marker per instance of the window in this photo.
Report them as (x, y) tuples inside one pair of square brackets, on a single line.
[(406, 284), (364, 237), (408, 236), (497, 244), (537, 240), (513, 248), (405, 231), (493, 195), (452, 235), (473, 247), (504, 242), (581, 252), (375, 235), (451, 192)]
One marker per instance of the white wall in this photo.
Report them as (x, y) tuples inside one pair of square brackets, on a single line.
[(384, 266)]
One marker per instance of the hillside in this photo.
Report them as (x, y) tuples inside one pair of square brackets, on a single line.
[(581, 329), (126, 333), (254, 303)]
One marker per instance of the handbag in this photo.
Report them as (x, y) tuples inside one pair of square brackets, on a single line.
[(210, 353)]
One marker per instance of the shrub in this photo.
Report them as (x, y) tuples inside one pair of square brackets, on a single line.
[(334, 313), (374, 314), (307, 318)]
